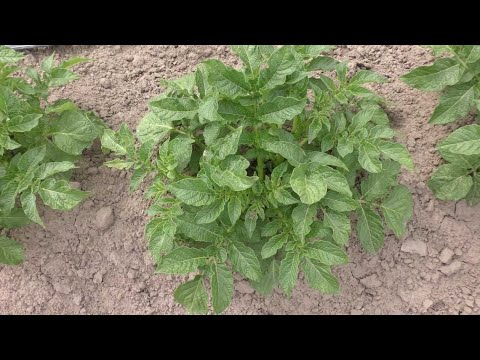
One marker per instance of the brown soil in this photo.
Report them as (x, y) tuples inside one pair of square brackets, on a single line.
[(73, 268)]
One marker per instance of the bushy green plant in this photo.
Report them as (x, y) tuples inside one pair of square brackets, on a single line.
[(456, 74), (39, 144), (259, 170)]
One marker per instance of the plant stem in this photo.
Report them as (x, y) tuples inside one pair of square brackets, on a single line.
[(278, 159), (200, 145), (279, 213), (464, 64), (179, 175), (260, 166), (182, 132), (296, 126)]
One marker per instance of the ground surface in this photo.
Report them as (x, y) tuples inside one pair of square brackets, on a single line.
[(74, 268)]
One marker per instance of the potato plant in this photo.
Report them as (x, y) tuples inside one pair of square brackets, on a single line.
[(39, 144), (456, 74), (261, 170)]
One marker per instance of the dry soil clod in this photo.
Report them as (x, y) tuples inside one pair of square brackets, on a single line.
[(451, 269), (446, 255), (105, 83), (104, 218), (415, 247), (244, 287), (371, 281)]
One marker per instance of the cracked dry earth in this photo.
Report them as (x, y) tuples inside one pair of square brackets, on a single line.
[(94, 259)]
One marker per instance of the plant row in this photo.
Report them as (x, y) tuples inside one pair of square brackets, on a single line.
[(263, 170)]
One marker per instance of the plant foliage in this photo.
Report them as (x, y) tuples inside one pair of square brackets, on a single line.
[(260, 171), (39, 143), (456, 74)]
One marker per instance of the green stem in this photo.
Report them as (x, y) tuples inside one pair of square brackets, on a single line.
[(179, 175), (459, 59), (296, 126), (182, 132), (200, 145), (279, 213), (464, 64), (278, 159), (260, 166)]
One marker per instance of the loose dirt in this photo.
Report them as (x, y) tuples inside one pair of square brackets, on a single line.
[(94, 260)]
